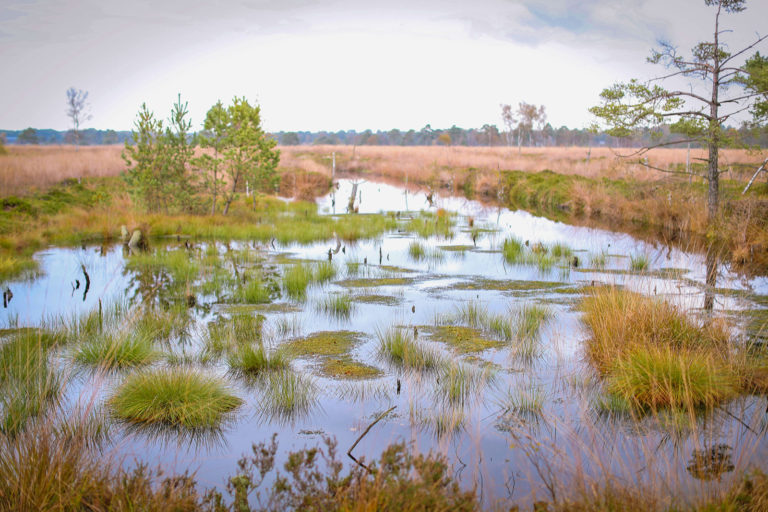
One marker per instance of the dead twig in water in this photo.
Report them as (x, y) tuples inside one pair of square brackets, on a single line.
[(378, 418), (87, 282)]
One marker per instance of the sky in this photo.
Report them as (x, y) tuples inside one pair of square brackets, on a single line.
[(338, 64)]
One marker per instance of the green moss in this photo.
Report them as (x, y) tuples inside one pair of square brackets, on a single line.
[(376, 281), (347, 368), (383, 300), (324, 343), (455, 248), (511, 285), (463, 339)]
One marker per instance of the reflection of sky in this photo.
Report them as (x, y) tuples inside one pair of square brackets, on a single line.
[(569, 424)]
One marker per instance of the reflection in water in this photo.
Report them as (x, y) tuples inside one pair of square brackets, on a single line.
[(710, 463), (190, 439)]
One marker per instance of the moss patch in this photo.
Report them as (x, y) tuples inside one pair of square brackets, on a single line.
[(511, 286), (456, 248), (324, 343), (384, 300), (376, 281), (348, 368), (464, 339)]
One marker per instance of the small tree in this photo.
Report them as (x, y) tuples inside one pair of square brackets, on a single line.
[(508, 117), (77, 111), (213, 136), (158, 161), (730, 87), (249, 155)]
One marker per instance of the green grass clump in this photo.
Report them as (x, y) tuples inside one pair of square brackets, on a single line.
[(513, 250), (117, 350), (175, 397), (663, 377), (417, 251), (526, 402), (457, 381), (560, 250), (227, 334), (598, 260), (337, 306), (28, 382), (429, 224), (400, 348), (296, 280), (529, 320), (653, 356), (253, 291), (254, 360), (324, 272), (178, 264), (287, 395), (638, 262)]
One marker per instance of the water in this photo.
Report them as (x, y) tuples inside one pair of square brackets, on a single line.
[(504, 453)]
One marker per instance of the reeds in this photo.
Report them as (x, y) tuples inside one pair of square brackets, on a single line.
[(255, 360), (287, 395), (336, 305), (117, 350)]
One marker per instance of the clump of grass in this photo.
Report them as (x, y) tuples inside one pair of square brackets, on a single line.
[(527, 401), (227, 334), (296, 280), (457, 382), (254, 360), (29, 384), (560, 250), (598, 260), (662, 377), (287, 395), (638, 262), (461, 338), (324, 272), (472, 313), (288, 326), (513, 250), (529, 320), (253, 291), (653, 356), (400, 348), (416, 250), (336, 305), (419, 252), (117, 350), (175, 397), (428, 225)]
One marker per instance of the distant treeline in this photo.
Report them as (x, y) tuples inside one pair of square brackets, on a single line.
[(488, 135), (89, 137)]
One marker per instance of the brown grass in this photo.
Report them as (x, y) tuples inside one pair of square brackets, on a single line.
[(26, 167), (420, 163)]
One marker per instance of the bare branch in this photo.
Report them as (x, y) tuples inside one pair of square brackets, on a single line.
[(759, 40), (646, 149)]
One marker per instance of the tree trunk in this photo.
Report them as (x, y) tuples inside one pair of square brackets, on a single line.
[(231, 196)]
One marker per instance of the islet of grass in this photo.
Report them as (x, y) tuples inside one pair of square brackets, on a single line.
[(175, 397), (255, 360), (117, 350), (336, 305), (638, 262)]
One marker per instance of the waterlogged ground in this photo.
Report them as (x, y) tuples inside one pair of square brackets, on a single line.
[(512, 410)]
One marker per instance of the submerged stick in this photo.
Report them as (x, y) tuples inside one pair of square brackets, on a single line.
[(87, 282), (378, 418)]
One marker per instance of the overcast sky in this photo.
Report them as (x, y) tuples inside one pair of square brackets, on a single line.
[(343, 64)]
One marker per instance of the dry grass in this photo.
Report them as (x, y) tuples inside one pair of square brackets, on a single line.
[(422, 163), (26, 167)]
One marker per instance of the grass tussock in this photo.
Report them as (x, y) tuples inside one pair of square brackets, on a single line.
[(400, 348), (176, 397), (653, 355), (337, 306), (255, 360), (117, 350)]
